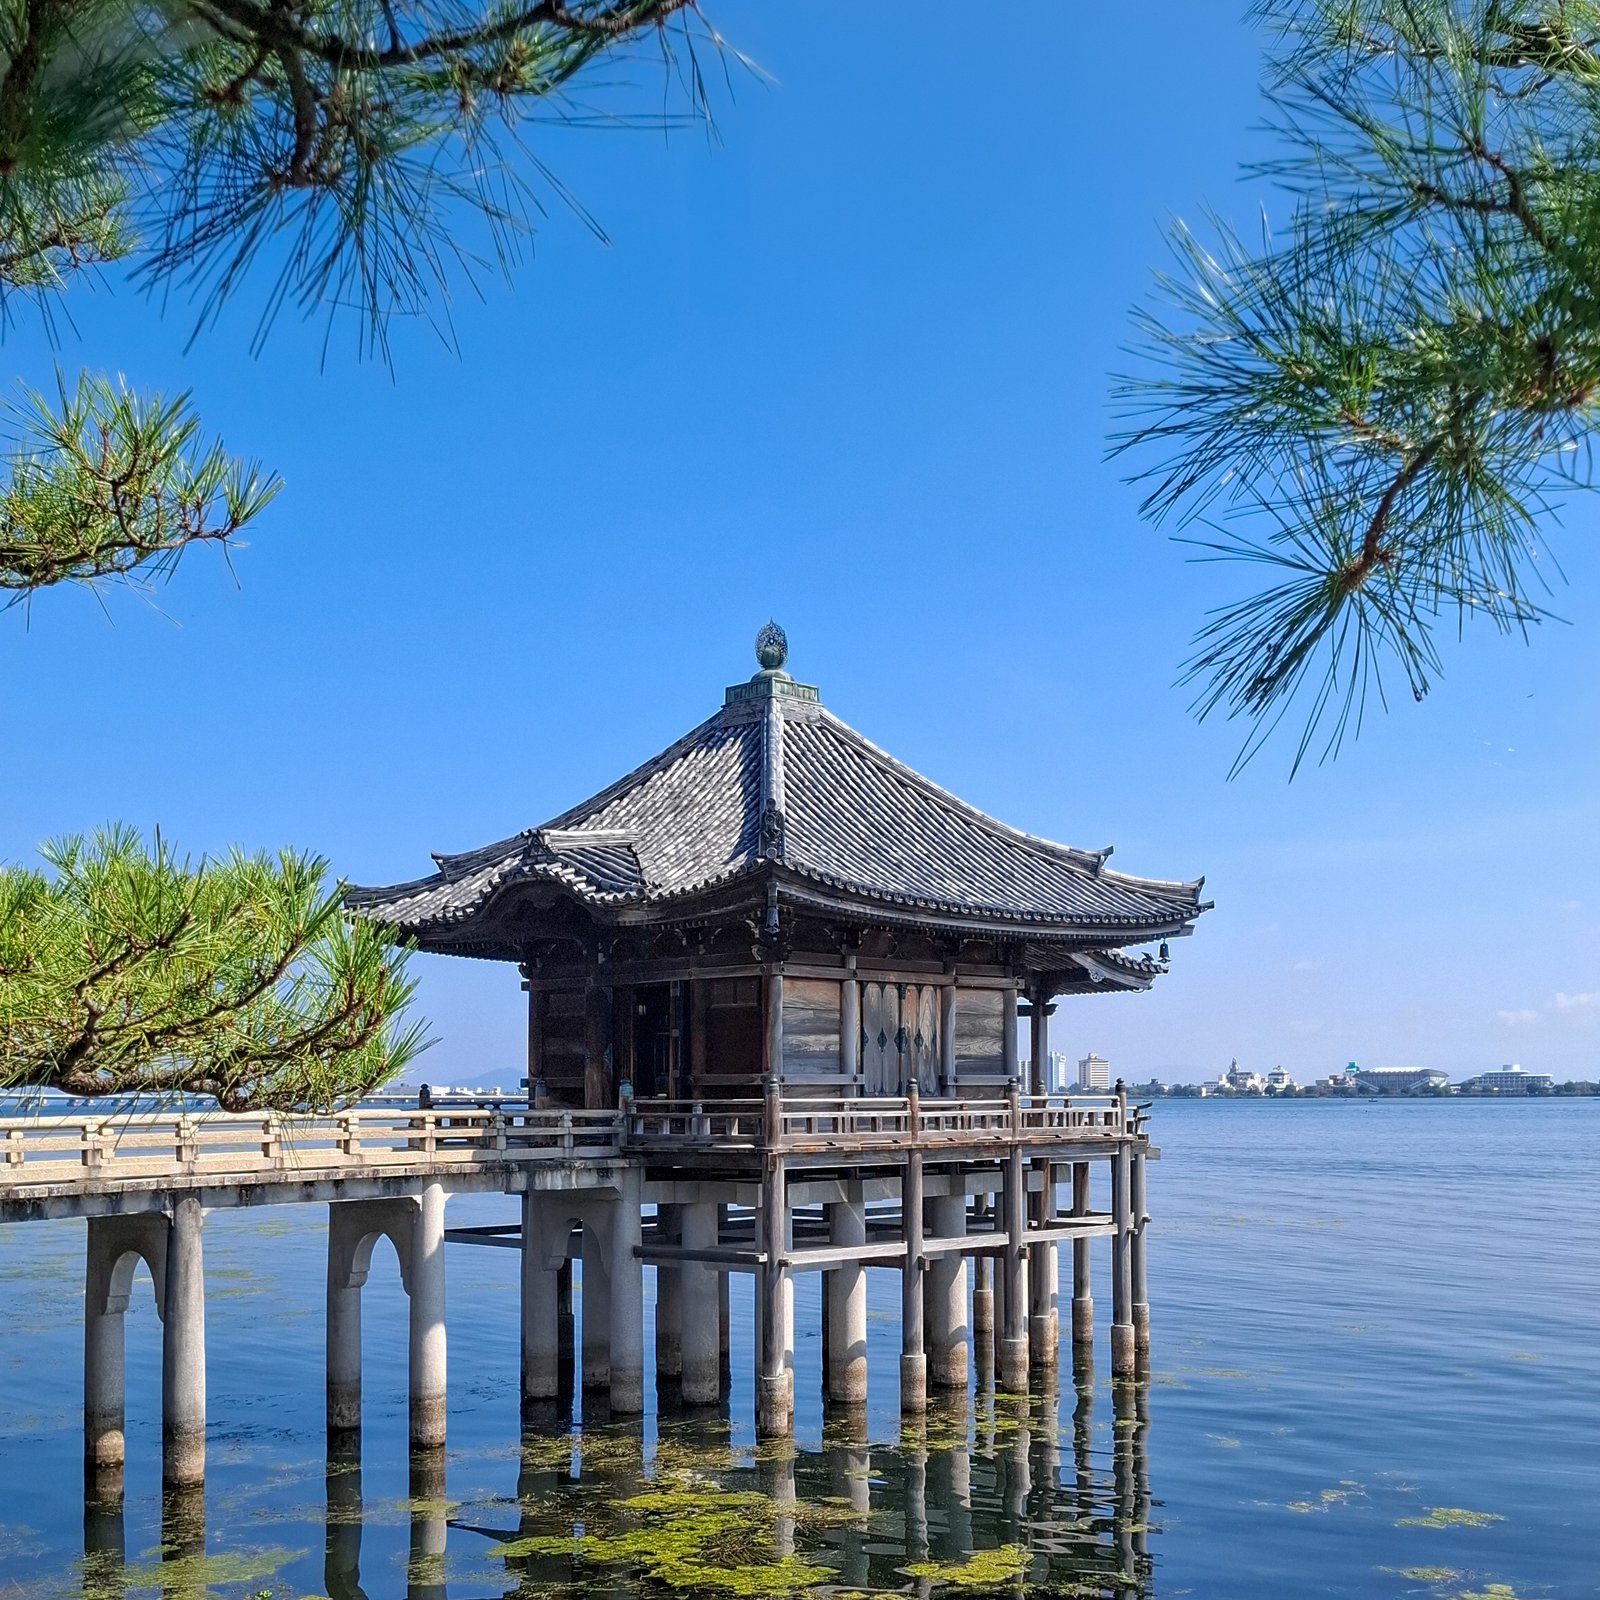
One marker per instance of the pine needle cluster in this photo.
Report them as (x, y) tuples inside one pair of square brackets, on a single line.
[(1379, 406), (126, 970)]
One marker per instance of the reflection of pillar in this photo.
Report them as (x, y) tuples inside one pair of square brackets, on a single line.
[(700, 1359), (105, 1547), (669, 1298), (949, 1343), (341, 1557), (913, 1355), (1122, 1351), (1082, 1296), (1123, 1403), (427, 1320), (429, 1527), (775, 1474), (596, 1303), (1139, 1285), (850, 1468), (627, 1298), (541, 1313), (914, 1455), (1082, 1443), (183, 1541), (183, 1349), (844, 1291), (1014, 1342)]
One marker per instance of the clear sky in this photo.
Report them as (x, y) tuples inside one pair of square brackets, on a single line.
[(848, 367)]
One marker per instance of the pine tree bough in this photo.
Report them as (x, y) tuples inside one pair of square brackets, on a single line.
[(124, 969), (1379, 405)]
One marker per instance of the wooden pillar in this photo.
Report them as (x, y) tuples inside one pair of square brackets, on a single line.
[(1122, 1342), (1014, 1340), (844, 1290), (913, 1342), (700, 1359), (597, 1091), (535, 1040), (947, 1040), (1039, 1042), (622, 1030), (850, 1031), (183, 1349), (1008, 1033), (427, 1377), (772, 1061), (697, 1037), (1140, 1286), (1082, 1296)]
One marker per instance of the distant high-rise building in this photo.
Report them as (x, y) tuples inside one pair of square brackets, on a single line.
[(1094, 1072), (1509, 1080)]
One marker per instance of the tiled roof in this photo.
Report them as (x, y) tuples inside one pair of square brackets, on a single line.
[(776, 783)]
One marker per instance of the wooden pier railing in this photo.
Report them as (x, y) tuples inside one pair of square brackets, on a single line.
[(103, 1150)]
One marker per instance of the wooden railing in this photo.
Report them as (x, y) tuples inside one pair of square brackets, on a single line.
[(110, 1149), (97, 1151)]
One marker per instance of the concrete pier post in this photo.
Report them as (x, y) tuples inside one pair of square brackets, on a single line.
[(183, 1349), (1122, 1342), (945, 1297), (427, 1320), (700, 1358), (845, 1304), (566, 1322), (1044, 1281), (983, 1297), (1139, 1285), (913, 1352), (343, 1332), (627, 1298), (1082, 1295), (669, 1299), (774, 1410), (1014, 1334), (596, 1330), (541, 1312)]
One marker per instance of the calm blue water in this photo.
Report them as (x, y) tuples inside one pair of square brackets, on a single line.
[(1361, 1313)]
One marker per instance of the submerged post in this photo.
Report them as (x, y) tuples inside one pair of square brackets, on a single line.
[(945, 1296), (183, 1349), (913, 1356), (1140, 1287), (700, 1358), (774, 1414), (541, 1304), (1082, 1294), (427, 1320), (1014, 1339), (1122, 1346)]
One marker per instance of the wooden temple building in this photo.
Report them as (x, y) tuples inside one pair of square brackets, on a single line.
[(794, 969)]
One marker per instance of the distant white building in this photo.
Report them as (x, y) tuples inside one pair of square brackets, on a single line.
[(1237, 1081), (1398, 1080), (1278, 1079), (1508, 1080), (1094, 1072)]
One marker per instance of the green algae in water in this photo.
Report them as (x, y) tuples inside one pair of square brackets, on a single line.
[(1450, 1517), (982, 1570), (1425, 1574), (203, 1572), (1494, 1591)]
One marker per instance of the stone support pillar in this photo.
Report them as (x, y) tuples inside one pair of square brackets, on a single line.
[(1044, 1280), (669, 1297), (113, 1248), (427, 1320), (844, 1291), (913, 1353), (596, 1300), (775, 1307), (945, 1297), (544, 1241), (183, 1349), (566, 1323), (627, 1298), (701, 1359)]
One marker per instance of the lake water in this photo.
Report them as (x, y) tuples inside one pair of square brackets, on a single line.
[(1375, 1339)]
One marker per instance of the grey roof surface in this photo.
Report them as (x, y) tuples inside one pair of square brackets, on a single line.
[(774, 782)]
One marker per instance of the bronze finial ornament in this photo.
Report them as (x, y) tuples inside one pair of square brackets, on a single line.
[(772, 647)]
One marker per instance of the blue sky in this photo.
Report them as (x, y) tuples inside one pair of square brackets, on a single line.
[(849, 367)]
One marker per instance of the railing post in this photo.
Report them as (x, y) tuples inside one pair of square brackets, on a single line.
[(497, 1131), (93, 1153), (699, 1125), (188, 1141), (567, 1140), (350, 1134), (270, 1143)]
